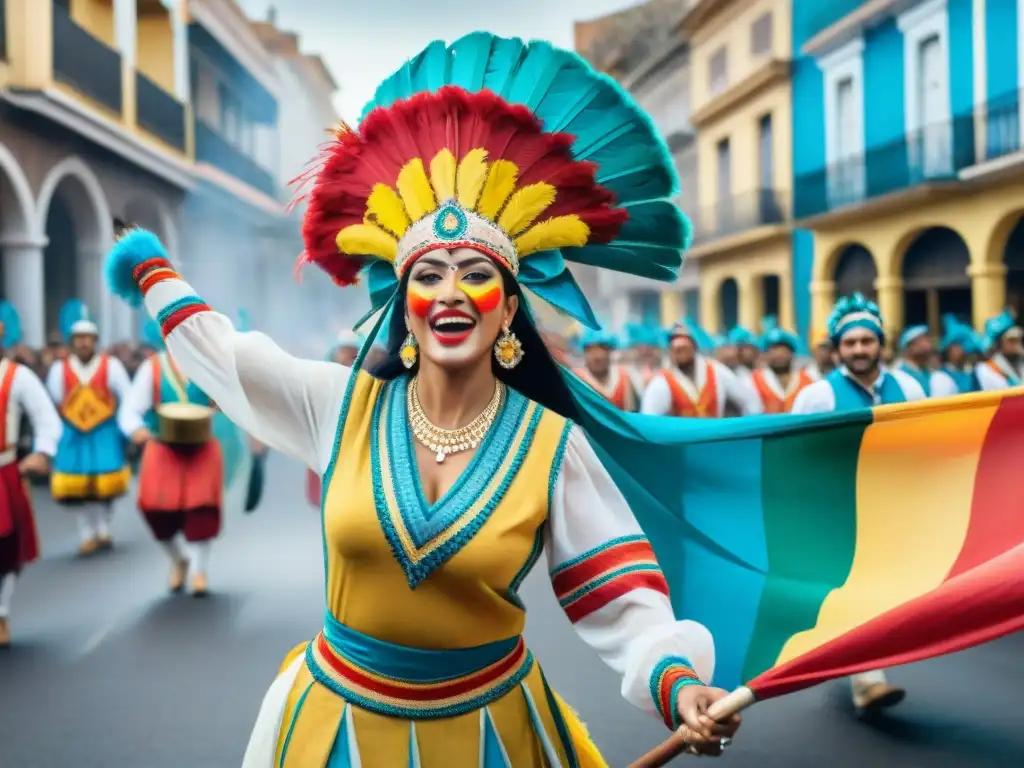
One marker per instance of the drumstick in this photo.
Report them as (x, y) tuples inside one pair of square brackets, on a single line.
[(676, 744)]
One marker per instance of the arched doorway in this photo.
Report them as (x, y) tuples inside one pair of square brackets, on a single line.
[(77, 224), (1013, 257), (771, 299), (19, 256), (729, 303), (856, 272), (935, 280)]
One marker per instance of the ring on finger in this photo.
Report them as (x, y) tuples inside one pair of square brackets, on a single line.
[(724, 743)]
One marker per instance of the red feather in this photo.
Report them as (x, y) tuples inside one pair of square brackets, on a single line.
[(347, 168)]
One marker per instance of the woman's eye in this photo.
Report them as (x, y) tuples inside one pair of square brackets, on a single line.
[(476, 277), (428, 278)]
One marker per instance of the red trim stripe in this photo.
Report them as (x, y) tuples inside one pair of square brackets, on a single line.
[(144, 266), (156, 276), (179, 316), (996, 522), (574, 577), (617, 587), (414, 692), (974, 607)]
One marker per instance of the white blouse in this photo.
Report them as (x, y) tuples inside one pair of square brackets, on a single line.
[(294, 405), (28, 396), (732, 389)]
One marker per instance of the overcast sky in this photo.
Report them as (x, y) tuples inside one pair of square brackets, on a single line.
[(363, 41)]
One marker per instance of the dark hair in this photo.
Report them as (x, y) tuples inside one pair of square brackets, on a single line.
[(537, 377)]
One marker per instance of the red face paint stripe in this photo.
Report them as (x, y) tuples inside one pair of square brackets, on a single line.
[(485, 298), (419, 302)]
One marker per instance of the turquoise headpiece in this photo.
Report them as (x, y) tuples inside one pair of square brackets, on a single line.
[(998, 326), (954, 332), (773, 335), (691, 328), (74, 318), (12, 324), (150, 334), (599, 338), (741, 337), (912, 334), (645, 335), (854, 312)]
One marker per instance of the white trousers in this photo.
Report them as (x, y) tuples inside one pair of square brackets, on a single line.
[(865, 679), (94, 520), (6, 593), (196, 553)]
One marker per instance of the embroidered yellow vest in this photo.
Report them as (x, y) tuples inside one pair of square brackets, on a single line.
[(440, 577)]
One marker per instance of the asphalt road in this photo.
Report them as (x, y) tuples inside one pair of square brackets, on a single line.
[(110, 672)]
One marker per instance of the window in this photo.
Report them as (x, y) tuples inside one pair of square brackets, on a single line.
[(718, 76), (765, 157), (845, 128), (724, 160), (645, 307), (925, 30), (843, 71), (761, 36)]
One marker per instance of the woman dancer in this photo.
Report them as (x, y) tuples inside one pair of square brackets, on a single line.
[(453, 466)]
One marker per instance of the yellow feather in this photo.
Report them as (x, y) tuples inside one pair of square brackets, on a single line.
[(525, 206), (367, 240), (501, 182), (384, 208), (442, 175), (471, 177), (414, 187), (559, 232)]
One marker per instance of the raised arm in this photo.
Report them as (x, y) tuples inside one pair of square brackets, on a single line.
[(289, 404), (613, 591)]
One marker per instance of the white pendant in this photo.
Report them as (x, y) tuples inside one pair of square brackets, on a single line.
[(440, 457)]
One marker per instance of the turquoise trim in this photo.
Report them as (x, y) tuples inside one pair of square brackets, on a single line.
[(556, 465), (597, 550), (538, 728), (414, 748), (418, 713), (663, 666), (411, 665), (590, 586), (341, 750), (560, 726), (425, 523), (531, 560), (185, 301), (291, 725), (492, 751)]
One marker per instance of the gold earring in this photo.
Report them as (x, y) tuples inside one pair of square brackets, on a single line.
[(508, 350), (408, 351)]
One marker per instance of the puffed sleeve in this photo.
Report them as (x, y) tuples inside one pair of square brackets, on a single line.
[(610, 586), (289, 404), (657, 399), (35, 401)]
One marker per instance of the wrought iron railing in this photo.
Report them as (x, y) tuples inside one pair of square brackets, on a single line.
[(937, 152), (159, 112), (85, 63), (739, 213), (214, 149)]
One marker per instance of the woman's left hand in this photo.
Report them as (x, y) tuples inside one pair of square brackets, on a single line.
[(704, 735)]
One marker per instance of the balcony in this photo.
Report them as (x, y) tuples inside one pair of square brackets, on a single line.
[(933, 154), (740, 213), (86, 64), (159, 113), (214, 149), (1002, 126)]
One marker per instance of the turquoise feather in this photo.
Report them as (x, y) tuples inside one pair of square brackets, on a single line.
[(656, 222), (11, 324), (469, 65), (657, 263)]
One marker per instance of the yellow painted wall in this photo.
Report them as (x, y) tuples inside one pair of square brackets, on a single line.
[(740, 126), (155, 56), (96, 17), (747, 267), (30, 43), (984, 223), (732, 29)]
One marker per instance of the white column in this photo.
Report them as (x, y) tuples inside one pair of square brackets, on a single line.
[(125, 29), (179, 33), (25, 286)]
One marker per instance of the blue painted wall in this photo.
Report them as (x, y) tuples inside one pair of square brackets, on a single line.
[(884, 114), (961, 57), (1001, 48)]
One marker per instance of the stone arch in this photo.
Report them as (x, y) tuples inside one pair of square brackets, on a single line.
[(728, 303), (855, 270), (19, 281), (17, 208), (74, 217), (933, 269)]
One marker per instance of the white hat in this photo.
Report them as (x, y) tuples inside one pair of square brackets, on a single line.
[(84, 328)]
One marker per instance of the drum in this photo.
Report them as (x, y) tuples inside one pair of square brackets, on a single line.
[(185, 424)]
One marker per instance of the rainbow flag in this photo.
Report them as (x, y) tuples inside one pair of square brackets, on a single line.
[(818, 546)]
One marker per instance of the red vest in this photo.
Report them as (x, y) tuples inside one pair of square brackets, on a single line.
[(6, 384), (622, 397), (706, 406), (770, 398)]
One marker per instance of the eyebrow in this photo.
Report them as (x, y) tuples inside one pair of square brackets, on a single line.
[(467, 262)]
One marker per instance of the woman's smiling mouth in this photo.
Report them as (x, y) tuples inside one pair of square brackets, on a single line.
[(451, 327)]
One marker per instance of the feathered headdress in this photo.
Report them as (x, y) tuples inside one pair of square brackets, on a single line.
[(742, 337), (150, 334), (74, 319), (912, 334), (518, 150), (11, 324), (772, 335), (691, 329), (598, 338), (998, 326), (854, 312), (956, 332)]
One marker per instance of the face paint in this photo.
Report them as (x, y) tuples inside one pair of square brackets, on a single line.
[(420, 298), (486, 297)]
